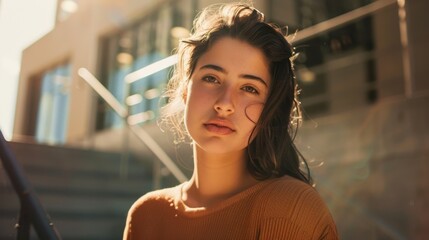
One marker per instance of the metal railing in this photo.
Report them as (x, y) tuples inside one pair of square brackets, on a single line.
[(341, 20), (31, 211), (362, 12), (122, 111)]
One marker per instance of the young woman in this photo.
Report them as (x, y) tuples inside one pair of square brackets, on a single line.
[(234, 94)]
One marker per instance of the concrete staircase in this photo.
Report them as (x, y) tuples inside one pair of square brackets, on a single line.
[(82, 190)]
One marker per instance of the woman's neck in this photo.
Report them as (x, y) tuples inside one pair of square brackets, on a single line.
[(216, 177)]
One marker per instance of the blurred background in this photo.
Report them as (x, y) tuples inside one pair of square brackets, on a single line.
[(80, 91)]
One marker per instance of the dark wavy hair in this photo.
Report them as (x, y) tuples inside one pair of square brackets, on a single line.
[(271, 151)]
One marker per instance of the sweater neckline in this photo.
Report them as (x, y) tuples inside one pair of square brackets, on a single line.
[(202, 211)]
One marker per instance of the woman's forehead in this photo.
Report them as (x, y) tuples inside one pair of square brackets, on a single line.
[(236, 56)]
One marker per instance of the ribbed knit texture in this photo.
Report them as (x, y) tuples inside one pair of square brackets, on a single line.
[(283, 208)]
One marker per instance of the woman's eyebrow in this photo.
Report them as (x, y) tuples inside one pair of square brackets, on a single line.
[(222, 70), (214, 67), (253, 77)]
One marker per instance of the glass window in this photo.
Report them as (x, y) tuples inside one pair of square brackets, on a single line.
[(52, 116)]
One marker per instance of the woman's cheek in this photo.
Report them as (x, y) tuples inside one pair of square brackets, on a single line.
[(253, 111)]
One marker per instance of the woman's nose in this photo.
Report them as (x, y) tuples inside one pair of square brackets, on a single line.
[(224, 104)]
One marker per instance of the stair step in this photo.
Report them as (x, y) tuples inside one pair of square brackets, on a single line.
[(73, 202), (83, 229), (44, 157)]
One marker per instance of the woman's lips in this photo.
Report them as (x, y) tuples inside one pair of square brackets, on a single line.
[(218, 129), (219, 126)]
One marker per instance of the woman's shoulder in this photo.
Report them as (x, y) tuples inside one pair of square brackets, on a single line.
[(287, 186), (159, 194), (295, 202), (155, 199), (288, 193)]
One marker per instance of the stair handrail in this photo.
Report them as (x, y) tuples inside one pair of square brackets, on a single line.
[(32, 211), (351, 16), (341, 20), (142, 134)]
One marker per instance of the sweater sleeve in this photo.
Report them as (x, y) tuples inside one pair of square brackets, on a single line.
[(294, 210)]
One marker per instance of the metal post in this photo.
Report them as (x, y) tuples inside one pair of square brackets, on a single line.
[(125, 137), (125, 155), (23, 225), (406, 59), (157, 175)]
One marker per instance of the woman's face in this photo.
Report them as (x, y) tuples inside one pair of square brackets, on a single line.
[(225, 95)]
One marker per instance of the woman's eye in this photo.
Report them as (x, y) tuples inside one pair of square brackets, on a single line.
[(210, 79), (250, 89)]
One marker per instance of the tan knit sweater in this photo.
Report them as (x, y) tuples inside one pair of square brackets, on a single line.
[(283, 208)]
